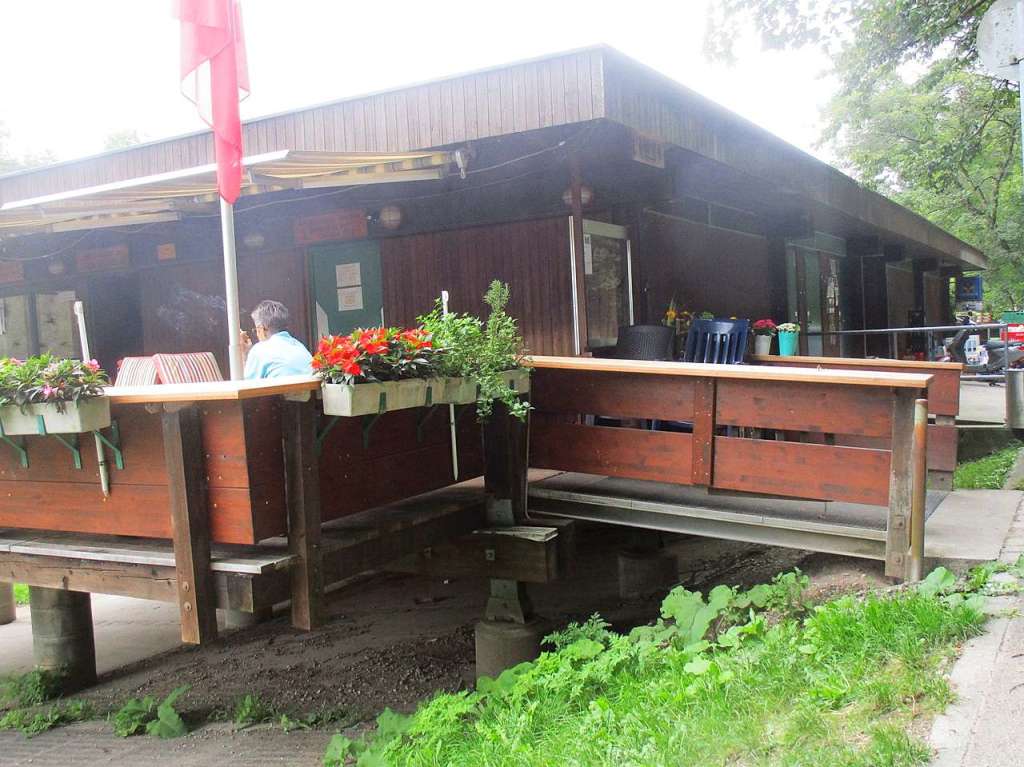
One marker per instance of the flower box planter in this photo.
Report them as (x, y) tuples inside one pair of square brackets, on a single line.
[(762, 345), (78, 417), (788, 343), (365, 398), (459, 390), (518, 379)]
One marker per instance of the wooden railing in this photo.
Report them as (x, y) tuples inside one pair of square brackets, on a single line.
[(943, 401), (754, 429)]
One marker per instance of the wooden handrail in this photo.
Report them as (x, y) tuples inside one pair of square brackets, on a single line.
[(856, 362), (212, 390), (745, 372)]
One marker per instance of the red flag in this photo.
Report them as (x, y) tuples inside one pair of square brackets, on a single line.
[(215, 76)]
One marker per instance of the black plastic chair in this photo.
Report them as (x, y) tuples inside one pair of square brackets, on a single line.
[(644, 342), (719, 342)]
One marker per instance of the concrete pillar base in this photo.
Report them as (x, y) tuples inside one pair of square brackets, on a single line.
[(646, 573), (502, 644), (62, 637), (236, 619), (8, 610)]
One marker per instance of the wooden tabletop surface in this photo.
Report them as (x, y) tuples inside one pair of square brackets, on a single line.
[(214, 390), (743, 372)]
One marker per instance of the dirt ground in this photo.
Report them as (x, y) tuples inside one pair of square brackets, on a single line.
[(393, 640)]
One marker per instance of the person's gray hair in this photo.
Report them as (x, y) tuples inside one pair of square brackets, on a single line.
[(273, 315)]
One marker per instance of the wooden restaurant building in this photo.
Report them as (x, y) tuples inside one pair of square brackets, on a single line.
[(600, 191)]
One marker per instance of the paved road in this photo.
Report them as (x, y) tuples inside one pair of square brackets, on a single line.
[(94, 745)]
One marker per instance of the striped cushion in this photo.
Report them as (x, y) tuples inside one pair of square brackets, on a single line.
[(136, 371), (195, 367)]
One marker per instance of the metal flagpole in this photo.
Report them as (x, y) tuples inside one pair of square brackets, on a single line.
[(227, 231), (451, 408)]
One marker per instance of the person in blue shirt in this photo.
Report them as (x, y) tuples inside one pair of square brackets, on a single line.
[(276, 353)]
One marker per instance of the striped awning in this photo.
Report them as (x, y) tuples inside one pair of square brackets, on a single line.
[(168, 196)]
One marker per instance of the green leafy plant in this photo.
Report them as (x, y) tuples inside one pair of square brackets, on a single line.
[(31, 689), (48, 379), (252, 709), (133, 716), (31, 722), (481, 350), (146, 715)]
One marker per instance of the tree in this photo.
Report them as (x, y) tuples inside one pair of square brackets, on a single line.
[(121, 139), (914, 118), (8, 162)]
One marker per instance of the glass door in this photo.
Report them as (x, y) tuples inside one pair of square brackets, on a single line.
[(607, 281)]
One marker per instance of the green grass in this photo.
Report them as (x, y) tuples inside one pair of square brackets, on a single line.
[(839, 686), (20, 594), (988, 473)]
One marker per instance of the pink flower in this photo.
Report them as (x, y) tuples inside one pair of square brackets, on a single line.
[(93, 365), (48, 391)]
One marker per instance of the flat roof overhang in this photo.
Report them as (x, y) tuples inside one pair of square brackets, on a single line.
[(167, 196)]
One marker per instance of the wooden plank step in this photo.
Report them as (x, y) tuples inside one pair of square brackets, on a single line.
[(244, 560)]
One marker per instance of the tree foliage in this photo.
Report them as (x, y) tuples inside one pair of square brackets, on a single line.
[(914, 118)]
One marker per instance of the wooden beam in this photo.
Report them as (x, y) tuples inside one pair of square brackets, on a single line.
[(528, 554), (901, 485), (506, 442), (703, 446), (186, 473), (303, 496)]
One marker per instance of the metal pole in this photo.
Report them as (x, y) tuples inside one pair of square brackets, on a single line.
[(915, 559), (227, 231), (101, 456), (451, 408)]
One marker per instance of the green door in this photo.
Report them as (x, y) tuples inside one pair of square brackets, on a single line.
[(346, 289)]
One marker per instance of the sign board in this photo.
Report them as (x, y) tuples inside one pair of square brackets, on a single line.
[(1000, 41), (968, 289), (337, 226), (101, 259)]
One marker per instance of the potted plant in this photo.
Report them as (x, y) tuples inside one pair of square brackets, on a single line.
[(484, 359), (764, 330), (48, 395), (789, 334), (377, 370)]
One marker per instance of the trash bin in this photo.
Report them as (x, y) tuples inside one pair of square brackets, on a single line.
[(1015, 401)]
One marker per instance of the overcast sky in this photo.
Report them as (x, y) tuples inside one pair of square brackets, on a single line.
[(73, 72)]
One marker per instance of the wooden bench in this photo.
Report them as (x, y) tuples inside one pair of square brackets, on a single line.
[(732, 409)]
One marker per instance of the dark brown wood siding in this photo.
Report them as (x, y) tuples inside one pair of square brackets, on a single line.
[(708, 269), (536, 94), (532, 256)]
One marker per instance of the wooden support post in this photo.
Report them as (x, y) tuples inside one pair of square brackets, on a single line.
[(901, 484), (506, 444), (704, 393), (915, 555), (576, 205), (303, 493), (7, 607), (186, 473), (62, 636)]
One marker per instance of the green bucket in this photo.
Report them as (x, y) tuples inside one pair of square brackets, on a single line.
[(788, 344)]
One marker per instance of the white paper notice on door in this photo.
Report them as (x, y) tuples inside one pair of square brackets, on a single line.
[(588, 255), (348, 275), (350, 299)]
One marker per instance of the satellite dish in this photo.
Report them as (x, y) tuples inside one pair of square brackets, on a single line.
[(1001, 39)]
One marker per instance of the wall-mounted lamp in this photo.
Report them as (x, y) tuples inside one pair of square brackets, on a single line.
[(390, 217)]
